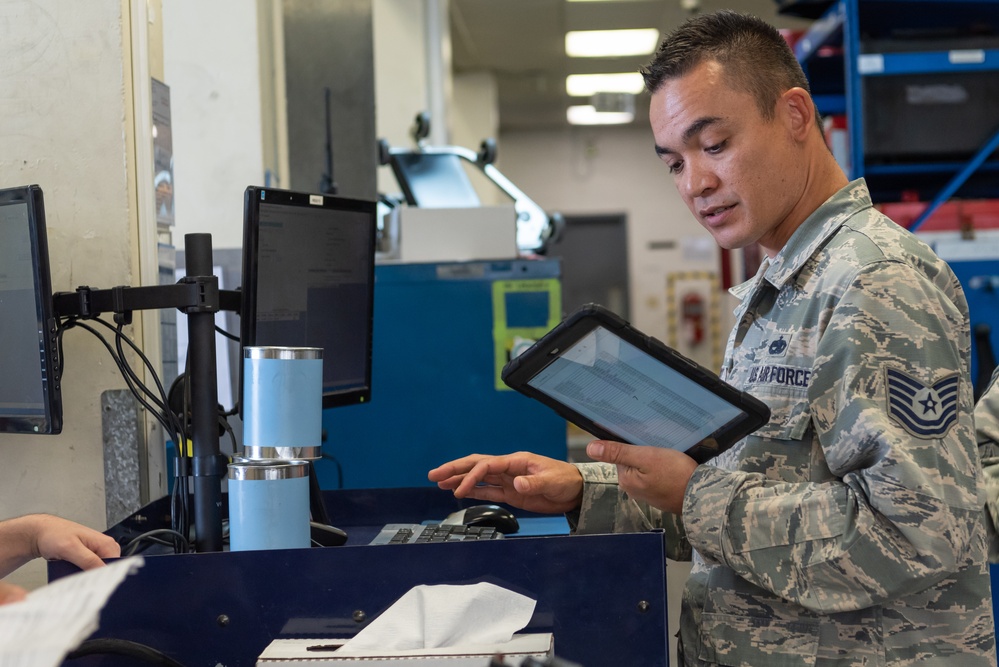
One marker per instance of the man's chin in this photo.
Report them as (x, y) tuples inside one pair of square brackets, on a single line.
[(726, 243)]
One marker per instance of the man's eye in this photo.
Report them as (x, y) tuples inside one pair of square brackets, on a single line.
[(717, 148), (675, 168)]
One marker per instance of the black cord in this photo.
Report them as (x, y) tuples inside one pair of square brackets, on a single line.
[(153, 536), (63, 325), (125, 648), (120, 336), (162, 402), (226, 333), (180, 509), (339, 468), (172, 424), (181, 486), (125, 373), (228, 429)]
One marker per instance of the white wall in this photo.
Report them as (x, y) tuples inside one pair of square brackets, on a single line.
[(215, 67), (65, 69), (212, 65), (400, 74), (612, 170)]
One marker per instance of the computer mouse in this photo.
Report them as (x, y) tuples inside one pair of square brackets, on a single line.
[(492, 516), (325, 535)]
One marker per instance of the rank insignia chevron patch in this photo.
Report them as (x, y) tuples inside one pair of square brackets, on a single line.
[(925, 412)]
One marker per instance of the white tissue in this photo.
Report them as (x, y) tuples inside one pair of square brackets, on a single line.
[(445, 616)]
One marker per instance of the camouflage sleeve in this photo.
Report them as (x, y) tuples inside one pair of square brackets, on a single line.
[(987, 429), (902, 511), (607, 509)]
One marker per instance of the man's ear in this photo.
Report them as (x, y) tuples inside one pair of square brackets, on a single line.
[(799, 111)]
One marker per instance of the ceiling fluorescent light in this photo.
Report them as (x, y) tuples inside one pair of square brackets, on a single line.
[(586, 85), (604, 102), (586, 114), (611, 43)]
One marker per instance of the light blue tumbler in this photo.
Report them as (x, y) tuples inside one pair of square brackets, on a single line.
[(268, 505), (282, 403)]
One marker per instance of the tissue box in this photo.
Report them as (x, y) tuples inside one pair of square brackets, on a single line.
[(295, 652)]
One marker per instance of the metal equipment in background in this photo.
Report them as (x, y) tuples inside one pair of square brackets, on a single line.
[(435, 177)]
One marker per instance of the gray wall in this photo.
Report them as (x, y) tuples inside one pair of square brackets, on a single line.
[(330, 45)]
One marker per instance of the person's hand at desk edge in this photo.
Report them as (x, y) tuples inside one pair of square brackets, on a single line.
[(45, 536)]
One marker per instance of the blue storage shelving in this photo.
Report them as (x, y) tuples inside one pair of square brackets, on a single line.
[(859, 47)]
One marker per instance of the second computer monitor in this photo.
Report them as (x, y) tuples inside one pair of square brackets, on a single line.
[(30, 398), (308, 281)]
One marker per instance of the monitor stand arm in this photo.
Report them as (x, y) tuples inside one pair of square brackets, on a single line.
[(198, 296)]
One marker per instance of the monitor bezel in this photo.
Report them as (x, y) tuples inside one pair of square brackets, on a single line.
[(253, 196), (51, 422)]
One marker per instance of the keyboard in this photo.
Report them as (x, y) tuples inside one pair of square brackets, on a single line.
[(418, 533)]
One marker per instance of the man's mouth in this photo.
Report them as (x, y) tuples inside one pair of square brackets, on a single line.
[(714, 213)]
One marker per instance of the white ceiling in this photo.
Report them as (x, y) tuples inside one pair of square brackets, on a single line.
[(522, 43)]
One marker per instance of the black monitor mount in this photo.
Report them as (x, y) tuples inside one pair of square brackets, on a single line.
[(198, 295)]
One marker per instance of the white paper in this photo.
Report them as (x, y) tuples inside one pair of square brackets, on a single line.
[(445, 616), (55, 619)]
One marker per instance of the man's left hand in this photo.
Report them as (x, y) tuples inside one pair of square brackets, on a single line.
[(656, 475)]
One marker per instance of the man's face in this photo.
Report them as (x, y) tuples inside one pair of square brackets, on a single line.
[(739, 174)]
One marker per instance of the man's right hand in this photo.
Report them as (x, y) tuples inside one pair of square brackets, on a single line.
[(529, 481)]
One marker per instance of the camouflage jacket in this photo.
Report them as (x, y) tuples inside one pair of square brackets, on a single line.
[(847, 531), (987, 428)]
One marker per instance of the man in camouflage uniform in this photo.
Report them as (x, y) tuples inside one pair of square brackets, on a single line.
[(987, 428), (846, 531)]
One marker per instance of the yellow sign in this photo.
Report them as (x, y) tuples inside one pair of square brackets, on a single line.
[(511, 336)]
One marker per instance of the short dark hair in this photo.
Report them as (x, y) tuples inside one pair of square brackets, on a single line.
[(755, 57)]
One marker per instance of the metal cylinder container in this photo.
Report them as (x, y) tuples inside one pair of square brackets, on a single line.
[(268, 505), (282, 403)]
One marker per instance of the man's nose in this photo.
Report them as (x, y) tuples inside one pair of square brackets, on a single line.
[(698, 179)]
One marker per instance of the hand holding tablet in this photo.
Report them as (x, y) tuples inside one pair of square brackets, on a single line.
[(615, 382)]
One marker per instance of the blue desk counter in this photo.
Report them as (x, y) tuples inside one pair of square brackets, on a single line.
[(603, 596)]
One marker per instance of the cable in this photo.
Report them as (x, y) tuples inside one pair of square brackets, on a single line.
[(61, 328), (182, 497), (153, 536), (125, 648), (161, 401), (125, 373), (339, 468), (228, 429), (180, 503), (226, 333)]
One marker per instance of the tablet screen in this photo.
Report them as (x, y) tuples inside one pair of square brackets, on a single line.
[(627, 392)]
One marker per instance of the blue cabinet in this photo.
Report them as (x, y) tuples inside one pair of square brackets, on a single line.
[(442, 333)]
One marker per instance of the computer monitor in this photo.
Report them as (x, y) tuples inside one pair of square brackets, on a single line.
[(30, 397), (433, 180), (308, 281)]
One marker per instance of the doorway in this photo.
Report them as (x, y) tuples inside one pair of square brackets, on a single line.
[(594, 254)]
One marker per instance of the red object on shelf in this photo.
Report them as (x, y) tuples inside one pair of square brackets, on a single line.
[(791, 36), (951, 216)]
